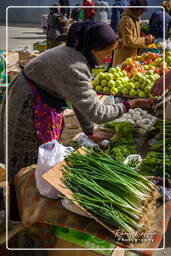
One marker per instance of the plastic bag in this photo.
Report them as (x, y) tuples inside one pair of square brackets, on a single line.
[(84, 141), (133, 160), (49, 155)]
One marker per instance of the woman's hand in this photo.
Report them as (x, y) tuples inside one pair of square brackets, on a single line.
[(157, 88), (141, 103), (98, 136), (149, 39)]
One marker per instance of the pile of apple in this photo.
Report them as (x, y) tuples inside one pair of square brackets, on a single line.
[(132, 66), (140, 84), (117, 81), (168, 59), (148, 58), (112, 82)]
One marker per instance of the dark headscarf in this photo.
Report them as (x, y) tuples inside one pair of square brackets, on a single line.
[(85, 36), (139, 3)]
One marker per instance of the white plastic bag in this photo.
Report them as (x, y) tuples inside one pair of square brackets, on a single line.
[(49, 155)]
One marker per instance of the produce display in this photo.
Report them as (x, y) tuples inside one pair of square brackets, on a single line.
[(111, 191), (123, 142), (139, 118), (152, 164), (134, 77)]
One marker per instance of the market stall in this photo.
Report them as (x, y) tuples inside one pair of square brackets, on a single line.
[(111, 184)]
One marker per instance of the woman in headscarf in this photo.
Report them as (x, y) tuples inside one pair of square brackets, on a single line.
[(129, 31), (57, 26), (37, 97)]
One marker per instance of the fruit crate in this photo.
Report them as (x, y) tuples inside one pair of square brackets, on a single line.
[(154, 50)]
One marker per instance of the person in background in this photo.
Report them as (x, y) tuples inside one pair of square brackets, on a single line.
[(101, 13), (89, 12), (156, 26), (129, 31), (116, 13), (158, 89), (65, 11), (57, 26), (75, 13)]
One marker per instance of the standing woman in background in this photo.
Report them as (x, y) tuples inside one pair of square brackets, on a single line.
[(56, 26), (65, 11), (129, 31), (101, 13), (116, 13)]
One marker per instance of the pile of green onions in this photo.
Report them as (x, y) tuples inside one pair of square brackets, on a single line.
[(107, 188)]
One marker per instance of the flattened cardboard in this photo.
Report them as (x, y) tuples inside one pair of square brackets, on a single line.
[(54, 178)]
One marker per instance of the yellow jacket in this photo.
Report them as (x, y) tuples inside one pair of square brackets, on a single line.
[(129, 31)]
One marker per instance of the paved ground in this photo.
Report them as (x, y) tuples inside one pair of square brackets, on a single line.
[(21, 35)]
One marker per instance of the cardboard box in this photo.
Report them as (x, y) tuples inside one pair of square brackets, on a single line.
[(84, 240), (12, 58), (24, 57)]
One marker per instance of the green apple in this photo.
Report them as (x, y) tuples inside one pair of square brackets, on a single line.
[(138, 91), (115, 76), (143, 86), (108, 76), (132, 92), (104, 83), (146, 67), (168, 59), (99, 88), (124, 72), (152, 78), (157, 76), (147, 82), (130, 86), (142, 80), (112, 71), (118, 69), (142, 94), (114, 90), (119, 82), (120, 74), (147, 89), (137, 85), (111, 83), (106, 89), (95, 82), (120, 88), (125, 91), (149, 72), (101, 76), (138, 76)]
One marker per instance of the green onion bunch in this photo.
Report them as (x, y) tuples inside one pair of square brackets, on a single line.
[(110, 190)]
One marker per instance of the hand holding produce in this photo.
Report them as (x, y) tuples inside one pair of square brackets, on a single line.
[(141, 103), (98, 136), (149, 39), (157, 89)]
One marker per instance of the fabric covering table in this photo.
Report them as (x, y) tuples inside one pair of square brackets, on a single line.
[(40, 214)]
